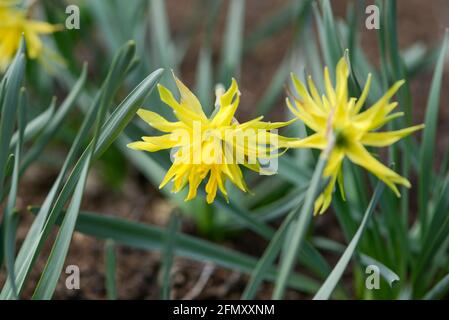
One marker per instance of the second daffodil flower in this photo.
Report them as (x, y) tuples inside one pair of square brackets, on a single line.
[(212, 147), (14, 23), (351, 128)]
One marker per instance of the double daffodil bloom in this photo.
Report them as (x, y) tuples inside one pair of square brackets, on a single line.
[(340, 116), (212, 147), (14, 23)]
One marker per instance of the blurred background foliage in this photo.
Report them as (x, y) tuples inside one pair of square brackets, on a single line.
[(259, 43)]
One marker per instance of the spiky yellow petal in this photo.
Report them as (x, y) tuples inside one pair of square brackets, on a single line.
[(212, 148), (340, 117), (383, 139), (158, 122), (14, 23)]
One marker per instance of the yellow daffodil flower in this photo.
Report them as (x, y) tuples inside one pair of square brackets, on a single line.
[(212, 146), (14, 23), (351, 128)]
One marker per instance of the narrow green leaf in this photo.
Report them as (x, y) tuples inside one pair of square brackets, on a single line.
[(12, 85), (147, 237), (439, 290), (168, 254), (50, 275), (418, 58), (352, 12), (111, 266), (162, 46), (280, 206), (332, 280), (244, 216), (289, 170), (11, 104), (326, 244), (271, 94), (204, 78), (56, 121), (277, 22), (300, 224), (232, 44), (124, 113), (15, 224), (34, 127), (268, 257), (433, 240), (328, 36), (429, 135), (33, 240), (112, 128), (104, 14), (204, 71), (389, 275), (49, 278), (9, 240)]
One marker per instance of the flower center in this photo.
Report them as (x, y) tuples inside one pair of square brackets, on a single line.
[(341, 137)]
